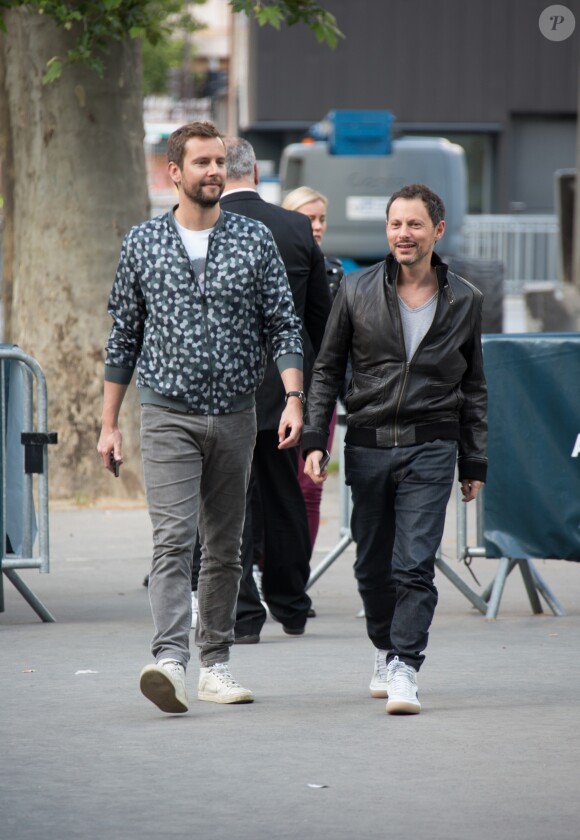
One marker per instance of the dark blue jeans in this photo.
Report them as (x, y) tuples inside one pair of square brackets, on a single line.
[(399, 496)]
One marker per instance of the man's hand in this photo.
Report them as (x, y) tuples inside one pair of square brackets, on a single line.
[(109, 447), (470, 488), (291, 423), (110, 442), (312, 466)]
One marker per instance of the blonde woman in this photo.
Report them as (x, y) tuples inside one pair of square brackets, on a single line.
[(314, 205)]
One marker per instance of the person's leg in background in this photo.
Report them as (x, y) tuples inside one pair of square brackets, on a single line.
[(250, 612), (287, 547), (196, 563), (313, 492)]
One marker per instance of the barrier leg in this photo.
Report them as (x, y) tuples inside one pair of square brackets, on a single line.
[(529, 583), (546, 592), (506, 564), (329, 560), (477, 601), (29, 595)]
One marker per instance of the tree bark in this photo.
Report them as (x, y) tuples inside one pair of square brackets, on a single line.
[(79, 184)]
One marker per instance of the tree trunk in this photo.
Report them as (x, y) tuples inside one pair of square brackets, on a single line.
[(79, 184)]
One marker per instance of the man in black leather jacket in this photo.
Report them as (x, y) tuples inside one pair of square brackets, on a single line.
[(416, 407)]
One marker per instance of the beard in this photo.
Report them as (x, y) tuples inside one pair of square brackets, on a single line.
[(418, 253), (197, 195)]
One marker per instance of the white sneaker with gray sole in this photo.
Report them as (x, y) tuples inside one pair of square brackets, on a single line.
[(217, 685)]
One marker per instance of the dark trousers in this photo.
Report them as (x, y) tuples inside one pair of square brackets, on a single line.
[(399, 496), (286, 540)]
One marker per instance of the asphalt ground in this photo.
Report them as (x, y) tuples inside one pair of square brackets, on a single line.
[(494, 753)]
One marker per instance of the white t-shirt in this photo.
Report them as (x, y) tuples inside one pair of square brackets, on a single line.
[(195, 243)]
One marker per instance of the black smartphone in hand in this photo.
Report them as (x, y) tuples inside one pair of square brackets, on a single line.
[(324, 461)]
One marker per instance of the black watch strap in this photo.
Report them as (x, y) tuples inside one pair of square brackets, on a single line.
[(300, 394)]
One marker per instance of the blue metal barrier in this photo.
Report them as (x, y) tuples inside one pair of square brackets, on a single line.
[(23, 455)]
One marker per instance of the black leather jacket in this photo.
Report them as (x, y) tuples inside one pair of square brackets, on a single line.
[(393, 401)]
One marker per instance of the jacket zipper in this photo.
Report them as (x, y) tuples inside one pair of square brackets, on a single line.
[(400, 400), (204, 314)]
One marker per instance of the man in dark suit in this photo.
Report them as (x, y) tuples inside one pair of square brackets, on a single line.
[(274, 484)]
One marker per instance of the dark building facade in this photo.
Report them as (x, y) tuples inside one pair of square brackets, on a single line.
[(479, 72)]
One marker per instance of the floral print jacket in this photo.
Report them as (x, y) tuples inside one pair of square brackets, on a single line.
[(204, 349)]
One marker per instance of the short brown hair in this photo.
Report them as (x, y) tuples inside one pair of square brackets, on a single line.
[(431, 200), (178, 139)]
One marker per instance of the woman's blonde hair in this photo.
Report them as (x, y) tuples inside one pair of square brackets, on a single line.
[(302, 195)]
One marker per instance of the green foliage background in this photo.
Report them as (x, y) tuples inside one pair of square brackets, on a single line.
[(99, 21)]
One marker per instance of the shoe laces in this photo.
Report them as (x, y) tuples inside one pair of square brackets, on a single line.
[(174, 667), (222, 672), (401, 676)]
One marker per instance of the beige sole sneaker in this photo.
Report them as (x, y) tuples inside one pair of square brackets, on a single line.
[(402, 688), (378, 684), (378, 692), (166, 691), (402, 707)]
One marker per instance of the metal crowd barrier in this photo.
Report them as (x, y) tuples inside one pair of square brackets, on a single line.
[(527, 246), (488, 602), (23, 455)]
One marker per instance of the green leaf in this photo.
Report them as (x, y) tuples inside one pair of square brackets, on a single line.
[(53, 70), (269, 16), (101, 21)]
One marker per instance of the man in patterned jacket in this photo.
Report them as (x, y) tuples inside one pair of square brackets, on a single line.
[(198, 296)]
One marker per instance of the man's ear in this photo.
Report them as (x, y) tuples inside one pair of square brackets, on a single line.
[(174, 173), (440, 230), (256, 175)]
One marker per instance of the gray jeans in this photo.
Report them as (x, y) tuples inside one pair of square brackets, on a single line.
[(196, 470)]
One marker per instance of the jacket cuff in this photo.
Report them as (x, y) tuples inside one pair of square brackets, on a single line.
[(472, 469), (121, 376), (312, 439), (289, 360)]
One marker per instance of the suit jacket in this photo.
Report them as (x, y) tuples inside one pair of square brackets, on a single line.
[(306, 272)]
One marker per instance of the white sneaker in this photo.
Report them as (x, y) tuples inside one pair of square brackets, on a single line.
[(402, 689), (164, 685), (378, 686), (194, 609), (217, 685)]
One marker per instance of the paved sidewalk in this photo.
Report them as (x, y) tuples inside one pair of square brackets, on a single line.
[(494, 753)]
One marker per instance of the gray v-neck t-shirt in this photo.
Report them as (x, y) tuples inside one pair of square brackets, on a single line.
[(416, 322)]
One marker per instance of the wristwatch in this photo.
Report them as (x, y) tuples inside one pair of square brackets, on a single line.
[(300, 394)]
